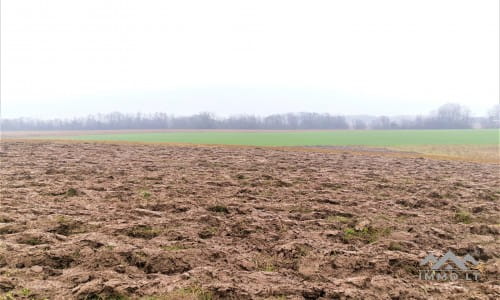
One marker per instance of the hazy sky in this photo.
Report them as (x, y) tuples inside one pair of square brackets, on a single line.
[(61, 58)]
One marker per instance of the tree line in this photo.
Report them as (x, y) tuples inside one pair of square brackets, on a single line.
[(448, 116)]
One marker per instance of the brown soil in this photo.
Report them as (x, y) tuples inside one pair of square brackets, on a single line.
[(118, 221)]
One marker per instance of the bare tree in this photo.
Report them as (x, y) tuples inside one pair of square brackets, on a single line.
[(447, 116), (452, 116), (359, 124), (382, 122), (492, 120)]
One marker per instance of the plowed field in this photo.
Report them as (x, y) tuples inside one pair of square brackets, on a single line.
[(115, 221)]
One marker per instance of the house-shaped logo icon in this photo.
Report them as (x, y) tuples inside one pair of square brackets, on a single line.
[(449, 261), (448, 267)]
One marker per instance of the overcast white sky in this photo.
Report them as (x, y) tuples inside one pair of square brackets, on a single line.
[(62, 58)]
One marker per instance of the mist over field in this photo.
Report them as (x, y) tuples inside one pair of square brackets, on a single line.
[(66, 59), (448, 116)]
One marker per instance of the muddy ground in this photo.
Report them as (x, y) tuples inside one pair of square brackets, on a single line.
[(105, 221)]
